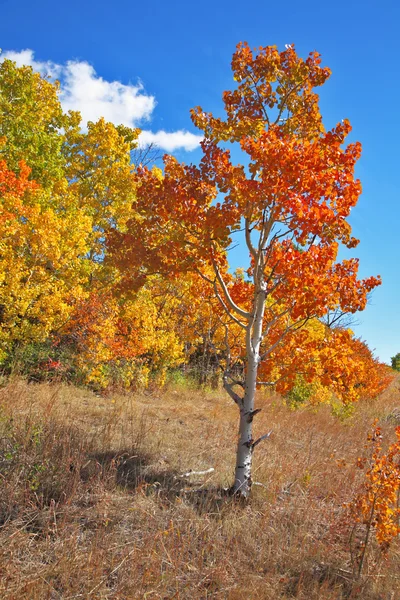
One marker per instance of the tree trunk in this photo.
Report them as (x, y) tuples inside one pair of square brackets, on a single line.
[(244, 456)]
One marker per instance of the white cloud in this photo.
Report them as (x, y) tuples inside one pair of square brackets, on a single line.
[(171, 141), (26, 57), (82, 89), (127, 104)]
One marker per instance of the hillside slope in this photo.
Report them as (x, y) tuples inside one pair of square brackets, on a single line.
[(95, 502)]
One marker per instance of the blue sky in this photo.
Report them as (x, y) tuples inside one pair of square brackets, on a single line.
[(181, 51)]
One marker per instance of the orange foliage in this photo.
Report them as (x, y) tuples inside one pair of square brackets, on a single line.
[(341, 363), (377, 506), (169, 234), (294, 198), (15, 185)]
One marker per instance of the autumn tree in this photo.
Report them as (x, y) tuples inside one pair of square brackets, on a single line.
[(290, 200), (395, 361), (31, 120), (332, 365), (376, 507), (41, 258), (63, 185), (100, 174), (92, 160), (126, 340)]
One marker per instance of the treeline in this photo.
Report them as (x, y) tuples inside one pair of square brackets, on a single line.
[(62, 311), (71, 309)]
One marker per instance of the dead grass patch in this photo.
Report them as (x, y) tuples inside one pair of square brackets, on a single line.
[(93, 504)]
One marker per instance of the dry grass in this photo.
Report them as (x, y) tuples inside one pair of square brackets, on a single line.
[(93, 506)]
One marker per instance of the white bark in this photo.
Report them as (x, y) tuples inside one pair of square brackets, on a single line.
[(252, 322), (242, 485)]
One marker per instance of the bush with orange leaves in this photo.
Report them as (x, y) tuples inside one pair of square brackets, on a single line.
[(377, 506)]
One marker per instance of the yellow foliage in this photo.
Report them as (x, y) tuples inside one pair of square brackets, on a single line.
[(41, 264)]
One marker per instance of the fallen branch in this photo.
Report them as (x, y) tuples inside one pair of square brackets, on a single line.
[(259, 484), (191, 472)]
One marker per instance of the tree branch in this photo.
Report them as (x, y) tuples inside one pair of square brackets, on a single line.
[(274, 320), (243, 313), (249, 243), (235, 397), (250, 415), (293, 327), (191, 472), (260, 439), (229, 386), (226, 309)]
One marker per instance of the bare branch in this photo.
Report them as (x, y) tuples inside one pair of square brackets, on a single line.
[(226, 309), (143, 156), (274, 320), (235, 381), (266, 231), (190, 473), (285, 99), (260, 484), (260, 439), (293, 327), (339, 318), (243, 313), (235, 397), (226, 375), (248, 240), (218, 295), (264, 110), (250, 415), (205, 276)]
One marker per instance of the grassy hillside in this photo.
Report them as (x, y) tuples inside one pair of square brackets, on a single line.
[(94, 503)]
